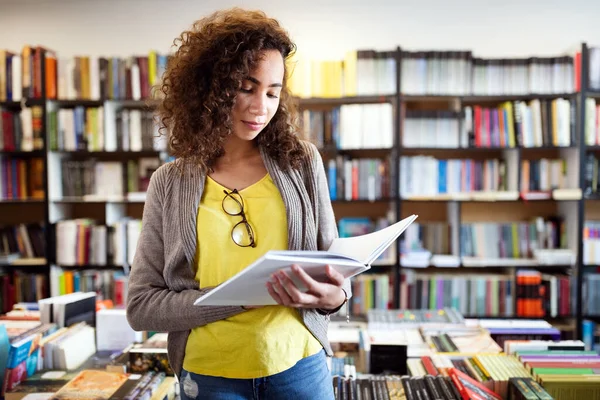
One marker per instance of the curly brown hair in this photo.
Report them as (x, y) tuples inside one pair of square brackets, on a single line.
[(204, 75)]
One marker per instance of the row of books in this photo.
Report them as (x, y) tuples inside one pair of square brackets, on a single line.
[(592, 123), (534, 124), (433, 128), (564, 368), (429, 176), (460, 73), (435, 237), (591, 242), (21, 131), (21, 74), (367, 72), (21, 178), (512, 240), (83, 242), (78, 77), (371, 291), (18, 286), (591, 175), (358, 179), (80, 128), (109, 285), (102, 179), (362, 72), (529, 294), (365, 126), (22, 241), (544, 175), (591, 294)]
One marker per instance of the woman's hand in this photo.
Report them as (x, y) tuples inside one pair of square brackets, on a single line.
[(327, 296)]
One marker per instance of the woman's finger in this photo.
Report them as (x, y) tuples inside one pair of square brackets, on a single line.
[(296, 295), (273, 293), (309, 282), (337, 279), (283, 294)]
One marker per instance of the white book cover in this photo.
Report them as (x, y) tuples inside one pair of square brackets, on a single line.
[(350, 256), (94, 78), (136, 90), (110, 126), (17, 91), (135, 130), (27, 127)]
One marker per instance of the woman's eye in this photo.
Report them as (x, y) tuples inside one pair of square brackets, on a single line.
[(272, 96), (246, 90)]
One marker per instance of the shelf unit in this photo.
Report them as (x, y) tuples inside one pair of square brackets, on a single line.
[(55, 209), (571, 207)]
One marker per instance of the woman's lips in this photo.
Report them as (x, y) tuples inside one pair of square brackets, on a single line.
[(253, 125)]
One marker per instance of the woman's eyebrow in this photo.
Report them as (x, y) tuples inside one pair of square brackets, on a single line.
[(254, 80)]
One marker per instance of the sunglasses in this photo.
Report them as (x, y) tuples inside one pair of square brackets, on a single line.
[(241, 233)]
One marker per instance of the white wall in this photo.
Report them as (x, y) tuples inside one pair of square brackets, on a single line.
[(321, 28)]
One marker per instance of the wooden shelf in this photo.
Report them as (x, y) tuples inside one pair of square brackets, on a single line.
[(338, 101), (98, 200), (26, 262), (10, 104), (118, 153), (333, 149), (443, 151), (485, 267), (554, 148), (468, 197), (517, 317), (382, 200), (68, 103), (22, 201), (22, 154), (473, 99), (90, 266), (484, 149), (148, 103), (76, 103), (519, 97), (560, 195)]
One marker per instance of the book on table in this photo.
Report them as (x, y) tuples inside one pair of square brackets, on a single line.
[(350, 256)]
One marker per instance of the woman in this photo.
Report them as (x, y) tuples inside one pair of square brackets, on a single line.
[(243, 184)]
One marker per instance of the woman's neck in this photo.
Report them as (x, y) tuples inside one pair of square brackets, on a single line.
[(238, 150)]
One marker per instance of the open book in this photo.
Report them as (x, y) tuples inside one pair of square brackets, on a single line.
[(350, 256)]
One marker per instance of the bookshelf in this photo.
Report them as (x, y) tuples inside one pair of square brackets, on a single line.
[(453, 210), (459, 208)]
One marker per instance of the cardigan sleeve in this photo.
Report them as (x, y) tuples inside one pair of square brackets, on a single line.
[(151, 305)]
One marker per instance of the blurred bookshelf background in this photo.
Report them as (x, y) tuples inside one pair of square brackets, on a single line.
[(496, 150)]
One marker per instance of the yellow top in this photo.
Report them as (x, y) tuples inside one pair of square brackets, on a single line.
[(262, 341)]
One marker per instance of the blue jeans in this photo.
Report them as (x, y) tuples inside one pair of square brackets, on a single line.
[(308, 379)]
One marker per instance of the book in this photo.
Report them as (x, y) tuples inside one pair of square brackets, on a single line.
[(92, 384), (349, 256)]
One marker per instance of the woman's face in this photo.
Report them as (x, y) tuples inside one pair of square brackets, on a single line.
[(258, 98)]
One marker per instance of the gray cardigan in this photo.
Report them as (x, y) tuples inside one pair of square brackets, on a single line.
[(162, 284)]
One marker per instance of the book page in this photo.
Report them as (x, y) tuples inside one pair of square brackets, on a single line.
[(366, 248)]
